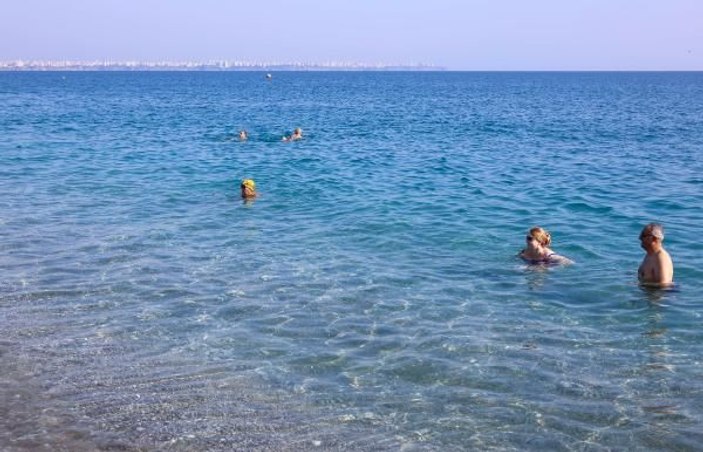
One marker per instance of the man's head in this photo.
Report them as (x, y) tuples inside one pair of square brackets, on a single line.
[(652, 236)]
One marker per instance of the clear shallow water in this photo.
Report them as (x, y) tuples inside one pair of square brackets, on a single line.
[(370, 298)]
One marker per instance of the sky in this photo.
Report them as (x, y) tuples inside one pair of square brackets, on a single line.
[(454, 34)]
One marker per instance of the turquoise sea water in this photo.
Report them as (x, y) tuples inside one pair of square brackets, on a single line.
[(370, 298)]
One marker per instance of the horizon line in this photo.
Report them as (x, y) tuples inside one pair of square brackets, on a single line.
[(212, 64), (215, 65)]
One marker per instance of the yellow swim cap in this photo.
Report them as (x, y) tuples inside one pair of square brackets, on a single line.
[(249, 183)]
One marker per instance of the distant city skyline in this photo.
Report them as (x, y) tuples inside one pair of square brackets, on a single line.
[(451, 34), (213, 65)]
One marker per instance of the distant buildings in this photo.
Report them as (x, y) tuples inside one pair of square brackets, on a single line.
[(224, 65)]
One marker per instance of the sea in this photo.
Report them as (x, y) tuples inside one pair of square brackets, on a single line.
[(370, 297)]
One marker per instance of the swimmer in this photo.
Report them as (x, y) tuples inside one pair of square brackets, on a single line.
[(537, 250), (297, 135), (243, 135), (248, 188), (656, 268)]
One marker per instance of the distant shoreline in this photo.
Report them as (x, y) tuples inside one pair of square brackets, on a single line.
[(4, 67), (222, 66)]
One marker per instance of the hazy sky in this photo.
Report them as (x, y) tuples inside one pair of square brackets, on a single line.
[(456, 34)]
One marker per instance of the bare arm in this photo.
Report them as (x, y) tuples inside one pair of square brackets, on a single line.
[(664, 269), (556, 258)]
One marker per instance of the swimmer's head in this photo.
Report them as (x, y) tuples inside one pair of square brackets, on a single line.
[(653, 230), (248, 187), (298, 131), (540, 235)]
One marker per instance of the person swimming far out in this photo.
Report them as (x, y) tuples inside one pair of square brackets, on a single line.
[(243, 135), (248, 188), (538, 251), (296, 135)]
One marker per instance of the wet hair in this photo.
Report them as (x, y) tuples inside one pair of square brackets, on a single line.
[(541, 235)]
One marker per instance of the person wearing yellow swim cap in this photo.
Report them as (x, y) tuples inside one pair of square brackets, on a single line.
[(248, 187)]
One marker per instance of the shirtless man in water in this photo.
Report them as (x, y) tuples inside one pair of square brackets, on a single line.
[(656, 267)]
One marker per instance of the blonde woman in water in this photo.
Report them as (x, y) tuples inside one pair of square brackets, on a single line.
[(538, 251)]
